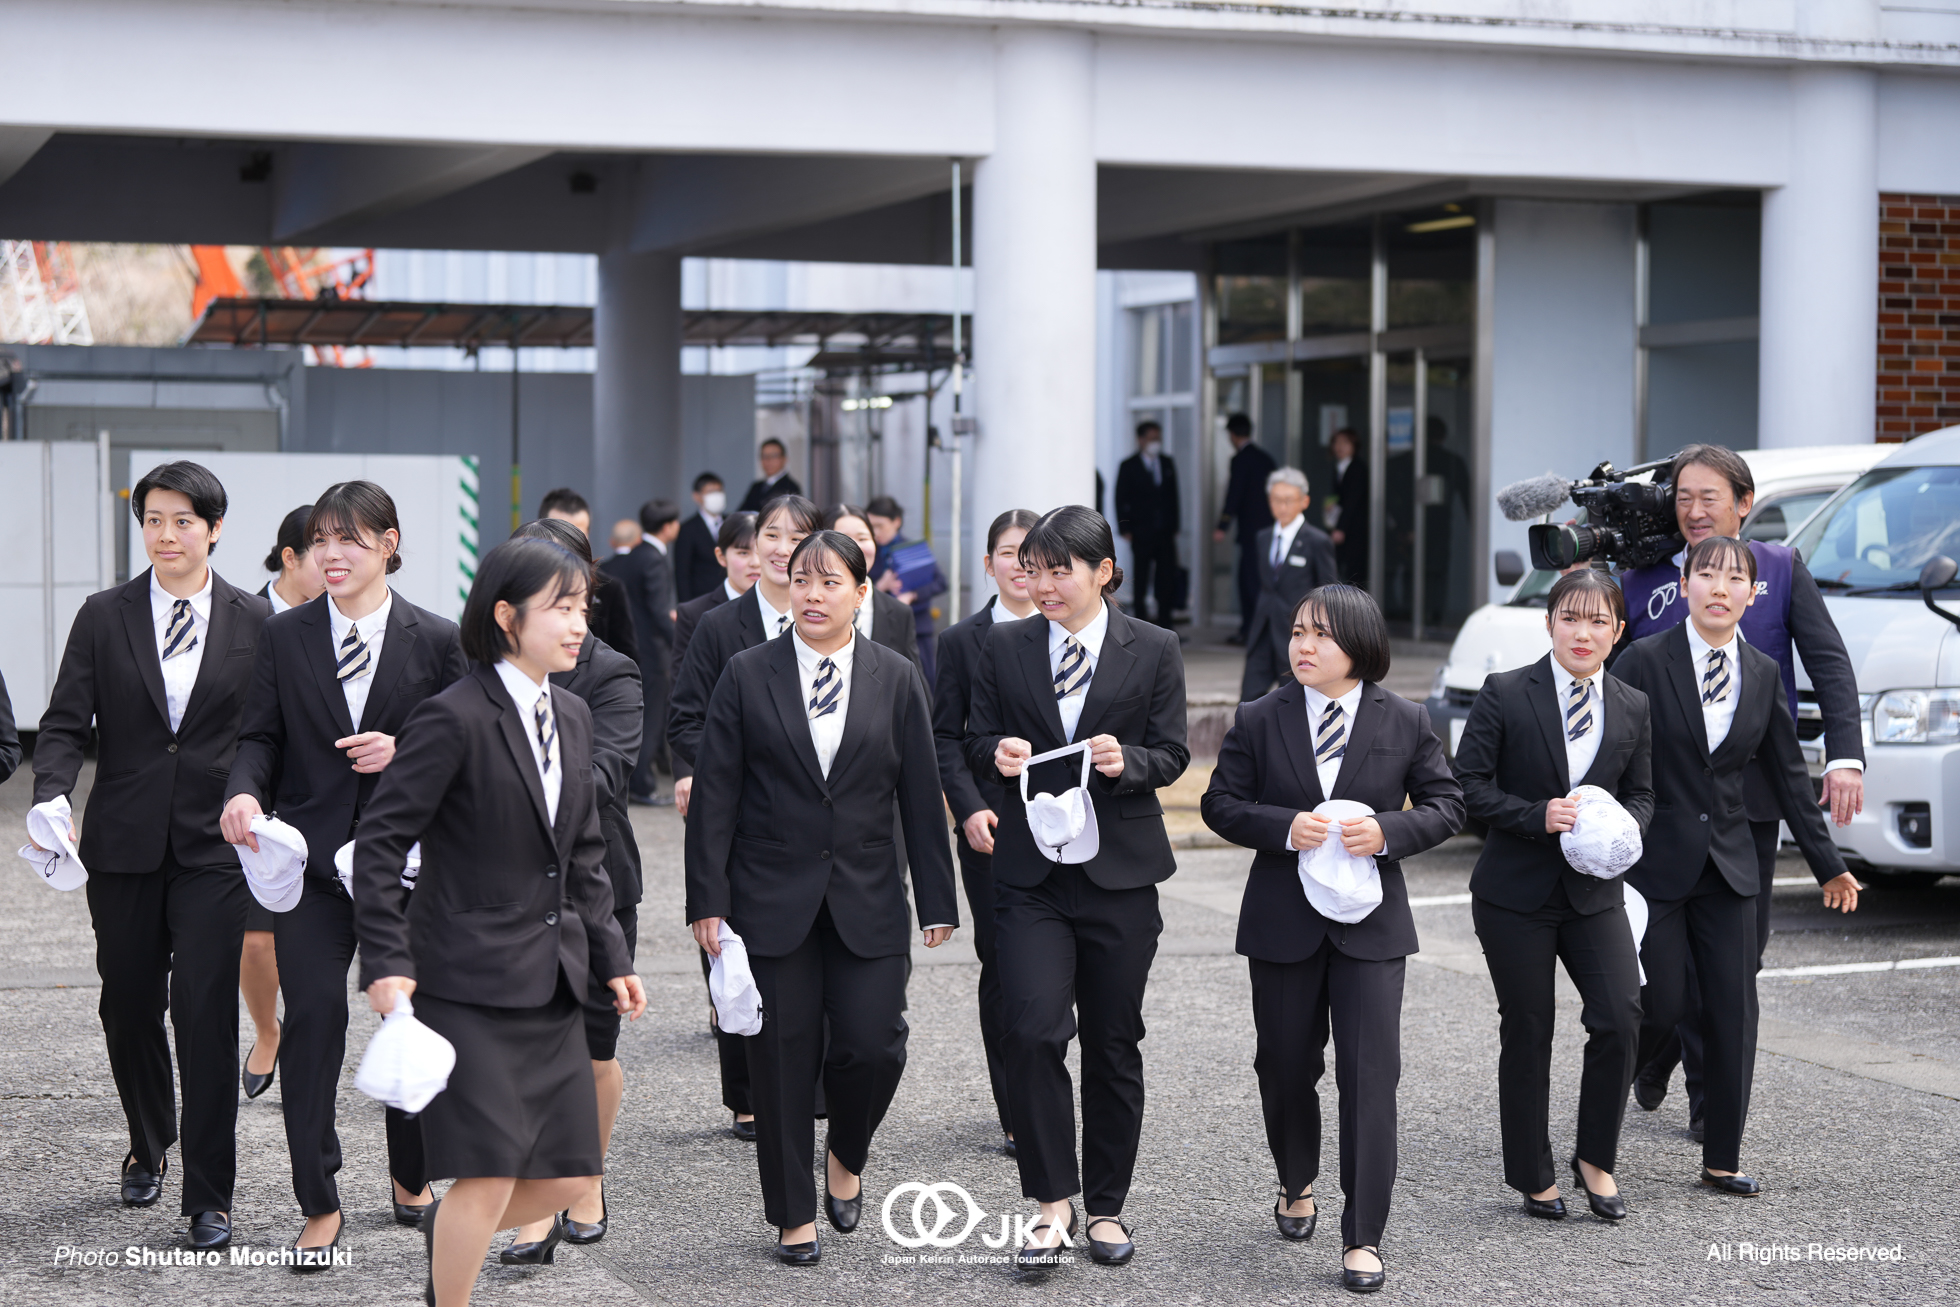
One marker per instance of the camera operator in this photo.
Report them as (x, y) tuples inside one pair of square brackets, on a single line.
[(1713, 492)]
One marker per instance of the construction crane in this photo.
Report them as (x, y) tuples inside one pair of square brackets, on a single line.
[(300, 274), (41, 295)]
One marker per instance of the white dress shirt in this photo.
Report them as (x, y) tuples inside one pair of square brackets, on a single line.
[(1317, 702), (657, 543), (862, 621), (525, 693), (728, 589), (1720, 715), (279, 604), (1579, 753), (1283, 537), (771, 619), (372, 628), (180, 673), (827, 731), (1091, 638)]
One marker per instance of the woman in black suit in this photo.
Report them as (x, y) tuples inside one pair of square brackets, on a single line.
[(976, 803), (1534, 735), (1075, 939), (334, 682), (883, 618), (511, 915), (814, 744), (1335, 735)]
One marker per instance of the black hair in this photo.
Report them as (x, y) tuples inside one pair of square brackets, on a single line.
[(1353, 440), (657, 513), (885, 506), (737, 532), (1024, 518), (559, 532), (562, 500), (1238, 425), (838, 512), (360, 509), (822, 545), (292, 535), (193, 481), (1149, 424), (1596, 590), (1353, 619), (1062, 535), (781, 448), (515, 572), (1719, 551), (707, 479), (1719, 459), (802, 513)]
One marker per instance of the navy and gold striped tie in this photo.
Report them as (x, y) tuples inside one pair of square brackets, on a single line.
[(1578, 713), (782, 623), (1330, 741), (1072, 677), (824, 691), (547, 729), (1715, 681), (353, 659), (178, 637)]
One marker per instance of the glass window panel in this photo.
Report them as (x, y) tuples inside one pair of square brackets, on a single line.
[(1432, 266), (1183, 347), (1703, 260), (1250, 289), (1334, 279)]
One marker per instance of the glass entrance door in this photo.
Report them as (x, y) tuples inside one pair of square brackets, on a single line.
[(1427, 585)]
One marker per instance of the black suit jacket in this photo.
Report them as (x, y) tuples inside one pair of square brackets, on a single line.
[(1309, 563), (9, 737), (649, 582), (689, 614), (723, 631), (609, 684), (1145, 509), (695, 570), (959, 659), (1351, 488), (761, 492), (611, 616), (506, 898), (1265, 777), (771, 839), (894, 626), (152, 788), (1137, 695), (1511, 761), (296, 710), (1699, 806), (1245, 493)]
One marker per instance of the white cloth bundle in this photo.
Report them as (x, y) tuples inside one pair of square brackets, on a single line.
[(1605, 839), (48, 825), (276, 874), (343, 865), (1064, 825), (1340, 886), (731, 987), (1637, 920), (406, 1063)]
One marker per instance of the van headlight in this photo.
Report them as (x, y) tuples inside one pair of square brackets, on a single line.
[(1916, 717), (1440, 686)]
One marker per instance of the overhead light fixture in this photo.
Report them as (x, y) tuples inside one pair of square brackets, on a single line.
[(1442, 224), (869, 401)]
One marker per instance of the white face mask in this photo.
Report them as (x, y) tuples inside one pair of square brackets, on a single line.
[(1152, 448), (714, 502)]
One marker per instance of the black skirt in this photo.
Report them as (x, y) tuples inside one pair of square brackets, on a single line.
[(521, 1100), (257, 915)]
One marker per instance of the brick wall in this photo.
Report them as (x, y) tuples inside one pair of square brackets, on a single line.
[(1918, 314)]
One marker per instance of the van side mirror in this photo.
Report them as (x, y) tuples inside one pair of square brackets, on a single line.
[(1510, 567), (1937, 575)]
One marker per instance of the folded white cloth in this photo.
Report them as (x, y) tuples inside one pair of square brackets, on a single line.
[(343, 865), (277, 872), (1637, 919), (406, 1063), (1605, 839), (1340, 886), (48, 825), (731, 987), (1064, 825)]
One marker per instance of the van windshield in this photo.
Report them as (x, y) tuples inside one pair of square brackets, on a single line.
[(1880, 532)]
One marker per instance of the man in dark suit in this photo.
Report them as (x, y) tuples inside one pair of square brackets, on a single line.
[(1245, 503), (1293, 556), (774, 481), (695, 570), (160, 667), (1344, 508), (645, 568), (1148, 516), (610, 616)]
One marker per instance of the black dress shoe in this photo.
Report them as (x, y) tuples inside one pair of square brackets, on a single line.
[(254, 1083), (210, 1230), (535, 1254), (1741, 1186), (1697, 1130), (1606, 1208), (1111, 1254), (1554, 1210), (1362, 1281), (843, 1212), (1031, 1257), (1007, 1146), (1650, 1094), (1297, 1228), (140, 1185), (801, 1254), (408, 1214), (429, 1243), (743, 1130), (588, 1231), (318, 1257)]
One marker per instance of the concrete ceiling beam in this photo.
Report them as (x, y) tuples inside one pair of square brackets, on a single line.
[(317, 187)]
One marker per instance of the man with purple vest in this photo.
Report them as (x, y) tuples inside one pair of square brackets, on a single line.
[(1713, 492)]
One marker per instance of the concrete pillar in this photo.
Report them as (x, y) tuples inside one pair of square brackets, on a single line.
[(636, 390), (1819, 343), (1034, 283)]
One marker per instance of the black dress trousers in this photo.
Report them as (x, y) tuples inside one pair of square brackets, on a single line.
[(1074, 958), (977, 874), (315, 944), (170, 938), (821, 985), (1523, 949), (1291, 1007), (1712, 930), (733, 1053)]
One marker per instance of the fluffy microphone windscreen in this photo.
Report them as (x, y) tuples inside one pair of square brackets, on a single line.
[(1523, 500)]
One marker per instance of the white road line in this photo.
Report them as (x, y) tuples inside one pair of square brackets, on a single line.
[(1853, 968), (1439, 901)]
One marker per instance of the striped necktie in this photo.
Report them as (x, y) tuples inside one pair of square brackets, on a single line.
[(1578, 713), (1072, 677), (547, 730), (177, 636), (782, 623), (353, 659), (824, 691), (1715, 681), (1330, 741)]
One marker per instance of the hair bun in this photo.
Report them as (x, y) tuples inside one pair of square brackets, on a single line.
[(1115, 580)]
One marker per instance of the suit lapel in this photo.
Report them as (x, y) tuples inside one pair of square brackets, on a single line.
[(786, 688), (561, 829), (396, 645), (217, 643), (1113, 666), (1612, 725), (1367, 716), (1296, 732), (1750, 706), (140, 625), (511, 720), (1542, 691), (1041, 679), (1267, 571), (317, 645), (1681, 675), (867, 689), (750, 611)]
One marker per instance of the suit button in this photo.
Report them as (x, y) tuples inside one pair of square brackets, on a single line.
[(173, 748), (1704, 816), (551, 873), (1708, 771), (551, 918), (826, 800), (825, 855)]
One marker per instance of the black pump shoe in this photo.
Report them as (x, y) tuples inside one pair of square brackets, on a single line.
[(1110, 1254), (1649, 1093), (318, 1257), (408, 1214), (1606, 1207), (1551, 1210), (1741, 1186), (255, 1084), (1030, 1257), (1362, 1281), (743, 1130), (1007, 1146), (583, 1232), (800, 1254), (539, 1253), (844, 1213), (141, 1187), (211, 1231), (1297, 1228)]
